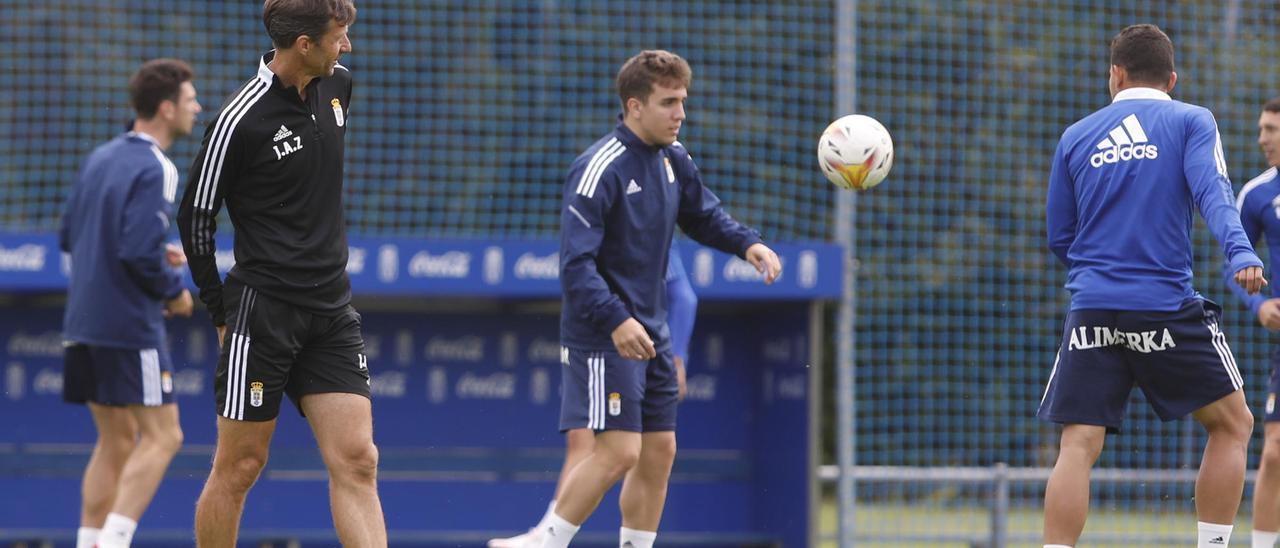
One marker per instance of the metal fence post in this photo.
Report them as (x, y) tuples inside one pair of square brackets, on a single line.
[(846, 44), (1000, 506)]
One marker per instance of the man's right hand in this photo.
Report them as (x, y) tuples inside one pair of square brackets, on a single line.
[(1269, 314), (179, 306), (1251, 279), (222, 333), (633, 342)]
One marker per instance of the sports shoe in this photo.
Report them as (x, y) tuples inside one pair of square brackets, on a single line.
[(530, 539)]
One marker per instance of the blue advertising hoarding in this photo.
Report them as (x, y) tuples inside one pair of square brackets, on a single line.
[(476, 268), (466, 401), (465, 414)]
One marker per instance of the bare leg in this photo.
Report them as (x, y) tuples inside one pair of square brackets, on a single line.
[(644, 492), (578, 444), (1266, 494), (160, 439), (343, 426), (1066, 497), (615, 453), (239, 458), (1221, 480), (117, 436)]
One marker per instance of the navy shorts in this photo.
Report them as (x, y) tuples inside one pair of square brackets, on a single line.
[(603, 391), (1273, 387), (1180, 360), (117, 376), (273, 348)]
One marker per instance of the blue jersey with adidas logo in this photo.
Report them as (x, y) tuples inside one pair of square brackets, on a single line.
[(1121, 192), (1259, 205)]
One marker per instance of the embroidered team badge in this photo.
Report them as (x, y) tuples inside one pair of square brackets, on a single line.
[(671, 173), (337, 112), (255, 394), (166, 382), (615, 403)]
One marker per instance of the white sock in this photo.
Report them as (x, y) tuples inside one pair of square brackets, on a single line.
[(1213, 535), (1057, 546), (551, 511), (117, 532), (631, 538), (1264, 539), (557, 532), (87, 537)]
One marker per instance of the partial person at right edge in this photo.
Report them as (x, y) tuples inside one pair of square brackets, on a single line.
[(1258, 217), (124, 282)]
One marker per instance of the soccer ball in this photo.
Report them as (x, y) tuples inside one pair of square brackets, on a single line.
[(855, 152)]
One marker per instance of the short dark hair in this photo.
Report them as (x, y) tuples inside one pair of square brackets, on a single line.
[(638, 75), (286, 20), (1272, 106), (1145, 52), (156, 81)]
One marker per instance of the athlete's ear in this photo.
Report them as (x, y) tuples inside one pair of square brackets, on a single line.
[(633, 105), (1116, 78), (1118, 75), (302, 43), (166, 110), (1173, 79)]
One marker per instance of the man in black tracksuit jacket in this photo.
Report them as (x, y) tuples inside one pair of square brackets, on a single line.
[(274, 157), (275, 160)]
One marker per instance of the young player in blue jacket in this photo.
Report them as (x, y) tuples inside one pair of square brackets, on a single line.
[(1259, 202), (682, 309), (622, 201), (1121, 192), (123, 284)]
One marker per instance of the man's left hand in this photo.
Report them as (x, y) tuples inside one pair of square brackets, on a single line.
[(765, 261)]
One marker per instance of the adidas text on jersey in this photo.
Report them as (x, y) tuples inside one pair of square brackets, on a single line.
[(1125, 142)]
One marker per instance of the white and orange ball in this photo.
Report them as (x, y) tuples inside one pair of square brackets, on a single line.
[(855, 152)]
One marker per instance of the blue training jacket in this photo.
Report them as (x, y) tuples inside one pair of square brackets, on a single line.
[(622, 202), (1121, 191), (1259, 205), (115, 226)]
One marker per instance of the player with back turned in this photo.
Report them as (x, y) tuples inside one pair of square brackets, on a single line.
[(123, 283), (1122, 188)]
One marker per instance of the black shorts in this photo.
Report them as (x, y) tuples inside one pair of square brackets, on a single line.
[(272, 348)]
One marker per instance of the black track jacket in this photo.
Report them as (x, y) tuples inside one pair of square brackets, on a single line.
[(276, 162)]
